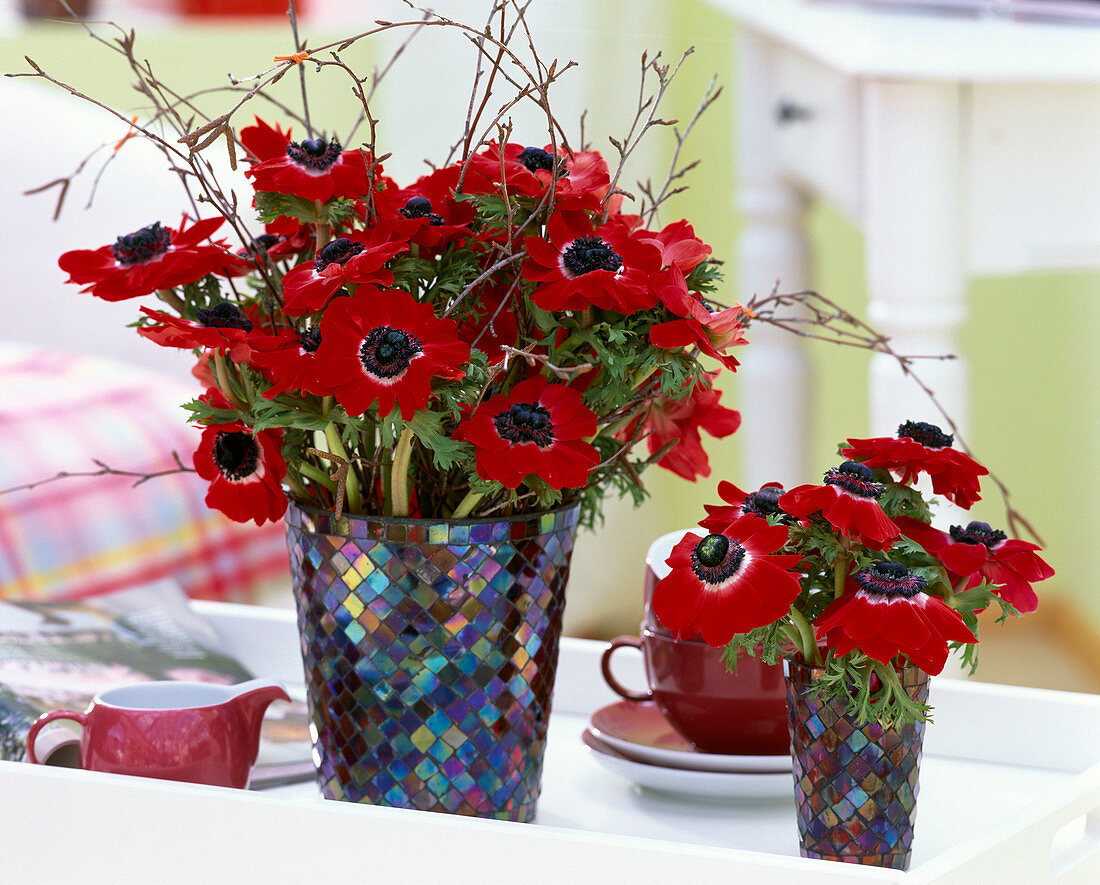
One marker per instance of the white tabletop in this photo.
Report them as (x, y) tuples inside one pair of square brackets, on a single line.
[(875, 41), (992, 800)]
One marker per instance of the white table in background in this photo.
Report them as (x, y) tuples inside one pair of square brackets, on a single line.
[(959, 145)]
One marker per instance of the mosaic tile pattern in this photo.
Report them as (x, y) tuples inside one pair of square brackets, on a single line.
[(430, 651), (855, 788)]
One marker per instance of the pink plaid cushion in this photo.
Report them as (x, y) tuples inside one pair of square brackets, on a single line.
[(89, 535)]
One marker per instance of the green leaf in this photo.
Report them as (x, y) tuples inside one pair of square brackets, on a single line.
[(764, 642), (270, 206), (267, 414), (848, 679), (446, 452), (206, 293), (545, 494), (903, 500), (705, 277), (203, 413)]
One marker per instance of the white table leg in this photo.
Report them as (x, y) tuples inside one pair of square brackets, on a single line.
[(913, 221), (774, 392), (914, 227)]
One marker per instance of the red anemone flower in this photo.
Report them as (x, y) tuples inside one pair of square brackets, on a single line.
[(357, 258), (538, 428), (681, 421), (245, 470), (727, 582), (762, 504), (923, 448), (578, 266), (263, 141), (438, 218), (268, 246), (220, 328), (287, 359), (848, 501), (979, 553), (583, 179), (313, 168), (384, 346), (152, 258), (677, 242), (885, 612), (712, 333)]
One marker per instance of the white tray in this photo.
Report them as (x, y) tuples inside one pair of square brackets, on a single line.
[(1010, 793)]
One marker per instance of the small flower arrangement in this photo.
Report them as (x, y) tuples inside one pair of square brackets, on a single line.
[(501, 335), (849, 575)]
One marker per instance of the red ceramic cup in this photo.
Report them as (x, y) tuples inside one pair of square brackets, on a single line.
[(655, 570), (183, 731), (742, 714)]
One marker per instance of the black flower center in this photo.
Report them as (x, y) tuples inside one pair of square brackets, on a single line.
[(339, 251), (223, 315), (310, 340), (763, 502), (260, 245), (525, 422), (855, 478), (236, 454), (421, 207), (926, 434), (586, 254), (142, 245), (978, 533), (535, 158), (716, 558), (387, 352), (314, 153), (889, 579)]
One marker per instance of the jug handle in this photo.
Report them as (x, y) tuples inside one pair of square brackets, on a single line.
[(45, 719)]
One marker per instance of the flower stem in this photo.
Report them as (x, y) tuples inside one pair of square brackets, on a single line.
[(840, 573), (960, 587), (296, 485), (321, 230), (221, 371), (316, 474), (807, 643), (352, 492), (399, 483), (169, 297), (467, 504)]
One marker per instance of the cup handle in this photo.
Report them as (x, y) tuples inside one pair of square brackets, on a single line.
[(46, 718), (609, 677)]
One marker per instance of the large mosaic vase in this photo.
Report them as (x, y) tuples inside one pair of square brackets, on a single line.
[(855, 787), (430, 650)]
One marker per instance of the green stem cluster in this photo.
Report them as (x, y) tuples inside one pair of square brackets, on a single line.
[(804, 638), (399, 484)]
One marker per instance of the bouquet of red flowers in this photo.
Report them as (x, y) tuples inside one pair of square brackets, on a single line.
[(500, 335), (850, 575)]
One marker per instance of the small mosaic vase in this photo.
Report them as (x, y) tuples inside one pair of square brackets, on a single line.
[(430, 649), (855, 786)]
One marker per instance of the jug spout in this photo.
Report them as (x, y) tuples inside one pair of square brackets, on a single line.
[(252, 699)]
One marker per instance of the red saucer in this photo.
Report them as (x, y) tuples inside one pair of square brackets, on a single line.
[(640, 731)]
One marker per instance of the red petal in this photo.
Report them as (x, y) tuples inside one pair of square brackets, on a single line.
[(677, 599)]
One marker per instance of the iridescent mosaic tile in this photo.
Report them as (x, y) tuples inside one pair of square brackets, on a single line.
[(855, 788), (430, 664)]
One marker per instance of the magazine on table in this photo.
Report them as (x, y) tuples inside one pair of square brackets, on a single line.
[(61, 653)]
